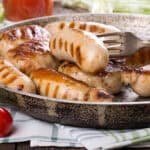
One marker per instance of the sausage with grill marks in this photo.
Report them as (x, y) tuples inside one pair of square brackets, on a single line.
[(16, 36), (139, 58), (31, 55), (94, 27), (110, 81), (13, 78), (80, 47), (139, 79), (56, 85)]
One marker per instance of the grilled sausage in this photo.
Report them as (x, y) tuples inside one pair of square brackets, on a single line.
[(81, 47), (94, 27), (16, 36), (110, 81), (31, 55), (13, 78), (139, 58), (56, 85), (139, 79)]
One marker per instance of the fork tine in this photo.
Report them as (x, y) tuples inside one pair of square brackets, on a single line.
[(114, 53), (109, 34), (112, 41), (113, 48)]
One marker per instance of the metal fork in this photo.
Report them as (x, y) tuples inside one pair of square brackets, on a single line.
[(123, 43)]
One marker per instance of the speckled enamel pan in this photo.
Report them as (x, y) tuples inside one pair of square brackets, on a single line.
[(128, 110)]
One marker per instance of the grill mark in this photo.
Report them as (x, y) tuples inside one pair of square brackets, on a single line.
[(5, 75), (33, 30), (86, 96), (54, 43), (10, 35), (20, 87), (65, 95), (4, 67), (72, 49), (51, 44), (47, 89), (60, 43), (65, 46), (82, 26), (55, 91), (78, 55), (23, 32), (14, 32), (62, 25), (10, 80), (72, 24), (93, 28), (39, 85)]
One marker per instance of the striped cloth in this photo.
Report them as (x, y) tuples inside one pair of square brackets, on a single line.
[(41, 133)]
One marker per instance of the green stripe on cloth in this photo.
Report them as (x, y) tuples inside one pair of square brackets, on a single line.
[(11, 140), (54, 135), (143, 139), (5, 140), (135, 135), (123, 137), (147, 131), (115, 137)]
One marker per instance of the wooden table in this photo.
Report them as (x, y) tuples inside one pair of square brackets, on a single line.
[(58, 9)]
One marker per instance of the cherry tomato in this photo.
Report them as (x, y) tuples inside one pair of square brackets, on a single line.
[(6, 122)]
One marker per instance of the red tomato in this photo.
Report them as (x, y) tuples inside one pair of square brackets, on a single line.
[(6, 122), (16, 10)]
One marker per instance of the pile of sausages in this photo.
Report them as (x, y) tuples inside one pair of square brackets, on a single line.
[(65, 60)]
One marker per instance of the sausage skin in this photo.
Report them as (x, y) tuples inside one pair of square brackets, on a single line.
[(80, 47), (57, 85)]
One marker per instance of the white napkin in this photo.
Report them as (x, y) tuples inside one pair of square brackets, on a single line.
[(41, 133)]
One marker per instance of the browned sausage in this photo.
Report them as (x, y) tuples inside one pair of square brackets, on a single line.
[(16, 36), (94, 27), (31, 55), (80, 47), (110, 81), (56, 85), (13, 78), (139, 79)]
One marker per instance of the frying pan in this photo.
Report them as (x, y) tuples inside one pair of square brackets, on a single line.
[(128, 109)]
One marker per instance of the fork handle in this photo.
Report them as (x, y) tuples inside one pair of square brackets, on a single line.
[(144, 43)]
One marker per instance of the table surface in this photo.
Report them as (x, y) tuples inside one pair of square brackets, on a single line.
[(58, 9)]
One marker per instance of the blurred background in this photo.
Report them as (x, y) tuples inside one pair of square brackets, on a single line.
[(16, 10)]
